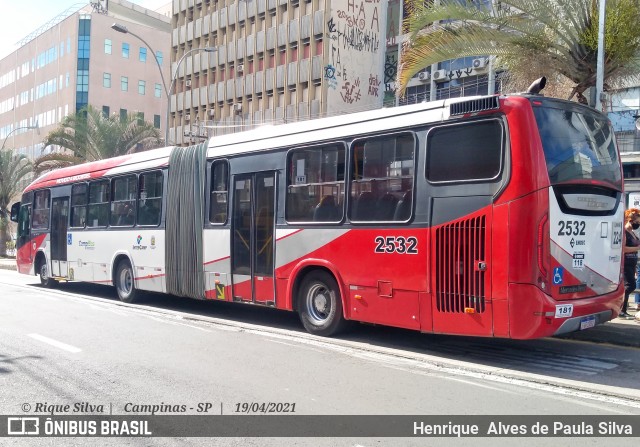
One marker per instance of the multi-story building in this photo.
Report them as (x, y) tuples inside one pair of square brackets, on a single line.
[(279, 61), (76, 60)]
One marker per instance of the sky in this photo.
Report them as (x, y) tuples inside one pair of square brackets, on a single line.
[(22, 17)]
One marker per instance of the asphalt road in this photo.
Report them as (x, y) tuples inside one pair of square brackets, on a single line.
[(78, 345)]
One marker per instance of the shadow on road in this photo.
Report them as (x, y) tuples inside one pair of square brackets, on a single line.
[(594, 363)]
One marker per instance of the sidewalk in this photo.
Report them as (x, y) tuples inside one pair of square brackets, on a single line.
[(615, 332)]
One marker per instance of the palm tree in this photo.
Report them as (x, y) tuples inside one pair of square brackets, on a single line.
[(529, 37), (13, 169), (90, 135)]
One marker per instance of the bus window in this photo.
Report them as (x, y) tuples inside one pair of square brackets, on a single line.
[(79, 205), (41, 210), (98, 208), (315, 184), (382, 172), (150, 198), (219, 192), (123, 201), (24, 221), (465, 152)]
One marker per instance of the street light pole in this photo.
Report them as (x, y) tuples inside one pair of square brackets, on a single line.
[(123, 29), (173, 82), (35, 126)]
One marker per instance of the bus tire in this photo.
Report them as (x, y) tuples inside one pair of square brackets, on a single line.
[(320, 304), (45, 279), (124, 282)]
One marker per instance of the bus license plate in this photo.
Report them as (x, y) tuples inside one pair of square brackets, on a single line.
[(564, 310), (587, 322)]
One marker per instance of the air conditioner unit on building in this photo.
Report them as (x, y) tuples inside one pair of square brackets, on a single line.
[(240, 68), (187, 83), (187, 117), (212, 113), (479, 64), (203, 132), (424, 76), (187, 133), (439, 74), (237, 107)]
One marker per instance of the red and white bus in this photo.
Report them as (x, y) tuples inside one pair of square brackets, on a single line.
[(491, 216)]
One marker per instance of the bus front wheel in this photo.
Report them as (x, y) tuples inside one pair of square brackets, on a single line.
[(320, 304), (124, 282), (45, 279)]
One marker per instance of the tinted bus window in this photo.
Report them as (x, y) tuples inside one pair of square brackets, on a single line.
[(465, 152), (219, 192), (382, 171), (315, 184), (578, 146), (79, 205), (150, 198), (123, 202), (98, 208), (41, 210)]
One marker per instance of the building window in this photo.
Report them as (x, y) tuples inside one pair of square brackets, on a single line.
[(156, 121), (107, 46), (141, 87), (124, 83), (158, 90), (106, 80), (125, 50), (123, 114), (140, 118), (142, 55), (159, 57), (105, 111)]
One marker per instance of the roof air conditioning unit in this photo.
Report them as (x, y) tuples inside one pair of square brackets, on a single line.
[(439, 74), (237, 107), (187, 83), (479, 64), (240, 68), (424, 76), (212, 113), (187, 133), (187, 117)]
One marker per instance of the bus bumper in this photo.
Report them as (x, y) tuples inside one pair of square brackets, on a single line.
[(532, 313)]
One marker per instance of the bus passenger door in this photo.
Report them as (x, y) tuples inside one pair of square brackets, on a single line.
[(59, 224), (24, 249), (252, 243)]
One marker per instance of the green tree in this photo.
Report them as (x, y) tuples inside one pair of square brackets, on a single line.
[(13, 169), (89, 136), (557, 38)]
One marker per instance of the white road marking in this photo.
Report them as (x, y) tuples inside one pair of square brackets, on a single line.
[(175, 323), (56, 343)]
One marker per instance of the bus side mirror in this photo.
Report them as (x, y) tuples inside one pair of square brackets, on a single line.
[(15, 209)]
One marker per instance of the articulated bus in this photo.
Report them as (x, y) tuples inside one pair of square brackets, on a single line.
[(497, 216)]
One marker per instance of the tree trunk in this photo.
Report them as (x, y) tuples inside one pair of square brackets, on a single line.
[(4, 236)]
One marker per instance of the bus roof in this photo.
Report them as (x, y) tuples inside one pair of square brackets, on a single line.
[(265, 137)]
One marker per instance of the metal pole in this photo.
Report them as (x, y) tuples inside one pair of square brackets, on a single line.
[(173, 84), (18, 128), (600, 65)]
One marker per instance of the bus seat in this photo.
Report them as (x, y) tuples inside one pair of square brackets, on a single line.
[(365, 207), (326, 210), (386, 207), (403, 208)]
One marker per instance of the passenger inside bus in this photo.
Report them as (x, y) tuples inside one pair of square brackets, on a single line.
[(149, 212)]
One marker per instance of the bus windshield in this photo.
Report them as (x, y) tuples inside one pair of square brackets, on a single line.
[(578, 145)]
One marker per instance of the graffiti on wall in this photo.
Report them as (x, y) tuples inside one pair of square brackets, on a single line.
[(355, 30)]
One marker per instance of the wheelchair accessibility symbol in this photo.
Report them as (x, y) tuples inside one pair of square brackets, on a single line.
[(558, 272)]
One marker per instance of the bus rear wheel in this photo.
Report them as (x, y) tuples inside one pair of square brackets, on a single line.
[(320, 304), (124, 282), (45, 279)]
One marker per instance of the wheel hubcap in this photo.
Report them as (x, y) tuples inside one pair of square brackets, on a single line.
[(125, 281), (319, 303)]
